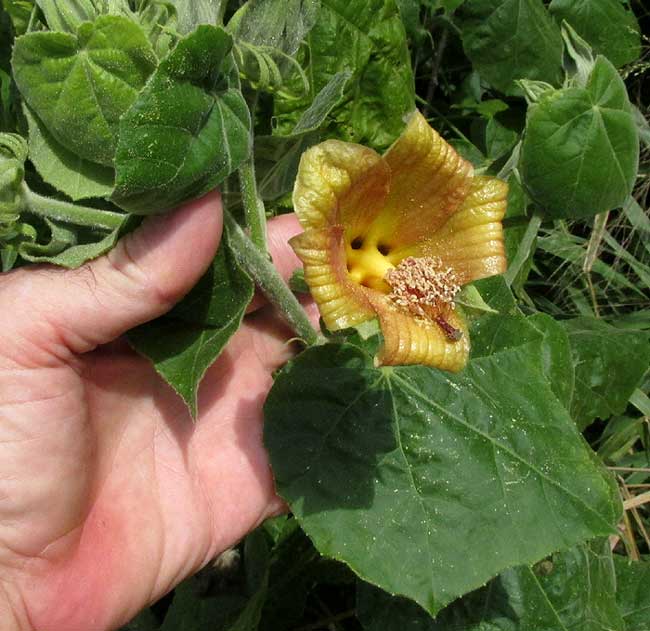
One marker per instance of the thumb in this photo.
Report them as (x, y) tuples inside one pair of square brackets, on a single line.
[(148, 272)]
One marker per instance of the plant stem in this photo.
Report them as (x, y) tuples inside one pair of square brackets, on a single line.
[(71, 213), (269, 281), (253, 205)]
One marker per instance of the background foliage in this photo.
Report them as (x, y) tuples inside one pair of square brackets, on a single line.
[(514, 496)]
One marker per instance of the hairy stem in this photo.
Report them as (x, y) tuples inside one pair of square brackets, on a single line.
[(253, 206), (71, 213), (266, 277)]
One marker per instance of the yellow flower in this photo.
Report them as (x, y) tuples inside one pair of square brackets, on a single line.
[(395, 236)]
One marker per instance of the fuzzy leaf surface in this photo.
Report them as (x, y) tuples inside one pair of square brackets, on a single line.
[(188, 130), (64, 169), (80, 85), (388, 469)]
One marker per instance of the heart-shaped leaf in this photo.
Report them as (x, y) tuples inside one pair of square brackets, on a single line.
[(581, 147), (80, 85), (427, 483)]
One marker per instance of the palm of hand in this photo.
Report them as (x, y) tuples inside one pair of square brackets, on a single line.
[(109, 494)]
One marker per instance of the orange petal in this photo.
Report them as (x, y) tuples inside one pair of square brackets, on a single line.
[(471, 241), (340, 183), (429, 181), (341, 302), (410, 341)]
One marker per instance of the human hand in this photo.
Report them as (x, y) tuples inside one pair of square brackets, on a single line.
[(109, 494)]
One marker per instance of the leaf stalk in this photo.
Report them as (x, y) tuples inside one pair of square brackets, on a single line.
[(67, 212), (254, 210), (271, 284)]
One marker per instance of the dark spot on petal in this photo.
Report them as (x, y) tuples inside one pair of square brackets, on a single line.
[(357, 243), (383, 249)]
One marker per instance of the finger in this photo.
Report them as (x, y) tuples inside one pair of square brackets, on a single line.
[(280, 230), (148, 272)]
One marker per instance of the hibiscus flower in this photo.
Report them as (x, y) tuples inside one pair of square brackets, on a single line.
[(395, 237)]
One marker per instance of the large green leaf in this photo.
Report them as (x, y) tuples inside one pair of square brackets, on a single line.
[(80, 85), (632, 593), (496, 333), (184, 343), (380, 92), (188, 130), (609, 365), (573, 590), (426, 483), (64, 169), (609, 26), (508, 40), (580, 150)]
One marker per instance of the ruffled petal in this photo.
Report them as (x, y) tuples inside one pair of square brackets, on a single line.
[(429, 181), (341, 302), (410, 341), (471, 241), (340, 183)]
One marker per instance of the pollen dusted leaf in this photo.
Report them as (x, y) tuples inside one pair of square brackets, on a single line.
[(428, 484), (184, 343), (508, 40), (581, 148), (63, 169), (80, 85), (188, 130)]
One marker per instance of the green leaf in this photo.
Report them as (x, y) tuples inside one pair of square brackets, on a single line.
[(580, 150), (71, 247), (191, 612), (192, 13), (572, 590), (609, 26), (495, 333), (20, 12), (605, 377), (508, 40), (280, 24), (67, 15), (184, 343), (63, 169), (633, 595), (380, 92), (497, 294), (80, 86), (278, 157), (389, 469), (188, 130)]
